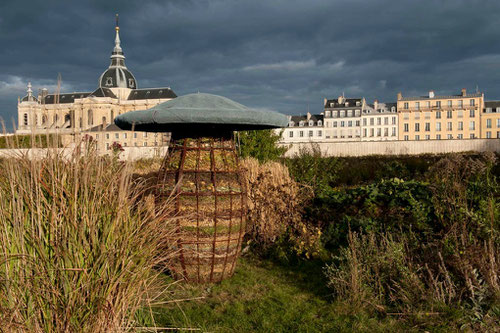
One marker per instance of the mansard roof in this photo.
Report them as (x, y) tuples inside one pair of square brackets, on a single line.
[(64, 98), (151, 93), (348, 103), (103, 92), (314, 117), (413, 98)]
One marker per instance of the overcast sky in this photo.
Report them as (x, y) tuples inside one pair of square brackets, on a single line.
[(284, 55)]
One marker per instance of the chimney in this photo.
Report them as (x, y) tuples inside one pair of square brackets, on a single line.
[(324, 103), (464, 92), (400, 96), (308, 116), (431, 93), (375, 104), (341, 100)]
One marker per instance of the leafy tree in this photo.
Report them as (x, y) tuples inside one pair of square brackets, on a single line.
[(261, 145)]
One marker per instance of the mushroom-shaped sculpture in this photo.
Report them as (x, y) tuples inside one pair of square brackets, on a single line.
[(201, 172)]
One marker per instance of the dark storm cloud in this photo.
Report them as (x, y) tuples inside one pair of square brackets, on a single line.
[(277, 54)]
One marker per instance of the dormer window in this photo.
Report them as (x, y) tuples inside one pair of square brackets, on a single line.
[(331, 105), (346, 104), (131, 83), (109, 81), (301, 124), (358, 103), (498, 109), (311, 123), (327, 114), (291, 124), (320, 123), (160, 92), (393, 109)]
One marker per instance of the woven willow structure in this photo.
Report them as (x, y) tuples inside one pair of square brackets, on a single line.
[(204, 178)]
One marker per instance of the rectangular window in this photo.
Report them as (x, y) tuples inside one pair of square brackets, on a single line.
[(320, 133), (135, 135), (394, 131), (460, 113), (460, 104), (417, 127), (488, 135), (472, 102), (427, 127), (450, 103), (394, 120), (438, 126), (427, 137), (357, 122), (334, 124), (291, 134), (349, 123), (438, 114), (498, 122), (460, 125), (386, 131), (364, 132), (450, 126), (417, 137), (406, 137), (472, 113), (364, 122), (372, 132), (301, 134), (97, 136), (124, 135), (428, 104), (379, 132), (145, 144), (438, 104), (406, 129), (498, 134), (117, 136), (372, 121), (310, 133), (472, 136), (417, 105), (386, 121), (472, 125), (107, 136), (342, 123), (460, 136), (145, 135), (379, 121), (438, 136), (488, 123), (406, 106), (450, 136), (449, 114)]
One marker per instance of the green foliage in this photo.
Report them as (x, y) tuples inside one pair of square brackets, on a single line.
[(310, 168), (261, 145), (29, 141)]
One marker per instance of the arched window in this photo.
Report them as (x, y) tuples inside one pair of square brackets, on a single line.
[(311, 123), (320, 123), (90, 116)]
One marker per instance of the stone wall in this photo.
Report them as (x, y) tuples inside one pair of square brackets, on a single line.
[(397, 147)]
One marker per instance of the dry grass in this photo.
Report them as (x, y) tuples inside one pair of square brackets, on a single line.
[(77, 245)]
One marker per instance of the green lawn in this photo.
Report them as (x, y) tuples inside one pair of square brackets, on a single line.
[(264, 296)]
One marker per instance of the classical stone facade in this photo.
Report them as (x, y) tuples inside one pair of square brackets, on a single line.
[(490, 120), (435, 117), (73, 115)]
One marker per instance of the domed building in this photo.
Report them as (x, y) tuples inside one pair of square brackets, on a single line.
[(78, 113)]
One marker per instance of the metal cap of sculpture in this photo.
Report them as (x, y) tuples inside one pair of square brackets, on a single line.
[(202, 175)]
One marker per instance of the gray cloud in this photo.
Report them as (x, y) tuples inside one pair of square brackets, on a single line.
[(285, 55)]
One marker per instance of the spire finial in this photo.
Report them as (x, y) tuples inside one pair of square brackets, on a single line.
[(118, 48), (30, 92)]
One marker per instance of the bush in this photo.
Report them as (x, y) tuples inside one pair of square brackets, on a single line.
[(262, 145), (77, 246), (275, 207)]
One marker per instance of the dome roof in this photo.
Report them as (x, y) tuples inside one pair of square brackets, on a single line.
[(200, 115), (117, 77)]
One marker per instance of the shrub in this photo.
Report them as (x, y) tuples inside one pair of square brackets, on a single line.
[(262, 145), (77, 246), (275, 207)]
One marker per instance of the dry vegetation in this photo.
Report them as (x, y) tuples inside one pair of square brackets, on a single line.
[(77, 247)]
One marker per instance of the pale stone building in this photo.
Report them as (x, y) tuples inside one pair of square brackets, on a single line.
[(308, 128), (73, 115), (490, 120), (379, 122), (435, 117), (342, 118)]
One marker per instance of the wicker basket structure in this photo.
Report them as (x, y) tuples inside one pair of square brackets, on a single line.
[(203, 178)]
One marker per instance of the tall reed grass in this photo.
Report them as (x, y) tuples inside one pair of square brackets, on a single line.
[(78, 243)]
